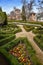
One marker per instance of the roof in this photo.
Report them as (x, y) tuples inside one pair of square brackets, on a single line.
[(32, 13), (17, 9)]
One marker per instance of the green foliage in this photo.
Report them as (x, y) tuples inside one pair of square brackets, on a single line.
[(10, 29), (0, 9), (12, 59), (23, 13), (28, 28), (5, 21), (39, 40), (6, 40), (3, 18), (39, 30)]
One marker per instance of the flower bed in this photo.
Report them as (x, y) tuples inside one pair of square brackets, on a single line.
[(25, 49), (21, 53)]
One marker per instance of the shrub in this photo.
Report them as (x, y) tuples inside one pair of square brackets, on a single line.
[(12, 59), (39, 40), (6, 40), (28, 28)]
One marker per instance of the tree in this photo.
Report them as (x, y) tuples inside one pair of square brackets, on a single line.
[(5, 21), (27, 7), (3, 17), (0, 9), (23, 14), (40, 9), (23, 10), (30, 7)]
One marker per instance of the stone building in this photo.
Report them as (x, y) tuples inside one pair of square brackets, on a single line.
[(15, 14), (18, 14), (32, 17)]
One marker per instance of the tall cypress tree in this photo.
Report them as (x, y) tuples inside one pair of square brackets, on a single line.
[(23, 10), (23, 13)]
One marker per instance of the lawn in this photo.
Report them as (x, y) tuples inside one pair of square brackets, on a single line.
[(8, 48)]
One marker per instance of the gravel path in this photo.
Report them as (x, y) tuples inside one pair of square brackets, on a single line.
[(30, 36)]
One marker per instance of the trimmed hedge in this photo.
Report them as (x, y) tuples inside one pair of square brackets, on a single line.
[(12, 59), (38, 30), (6, 40), (11, 28), (39, 40), (28, 28), (21, 21), (3, 36)]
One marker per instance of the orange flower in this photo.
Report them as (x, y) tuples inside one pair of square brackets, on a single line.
[(24, 60)]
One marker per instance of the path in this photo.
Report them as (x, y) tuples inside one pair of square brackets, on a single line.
[(30, 36)]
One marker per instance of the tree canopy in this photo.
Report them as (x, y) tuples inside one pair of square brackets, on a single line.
[(3, 17)]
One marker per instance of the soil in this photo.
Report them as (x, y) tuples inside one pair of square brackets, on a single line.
[(3, 60)]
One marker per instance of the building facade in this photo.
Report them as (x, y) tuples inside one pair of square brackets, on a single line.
[(18, 14), (15, 15), (32, 17)]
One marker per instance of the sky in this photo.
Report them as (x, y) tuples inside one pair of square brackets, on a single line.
[(8, 5)]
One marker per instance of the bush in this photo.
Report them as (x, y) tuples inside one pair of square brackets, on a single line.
[(39, 40), (38, 30), (10, 29), (6, 40), (28, 28), (5, 21), (3, 18), (12, 59)]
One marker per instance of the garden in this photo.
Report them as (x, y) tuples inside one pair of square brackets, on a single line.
[(28, 28), (39, 40), (19, 52), (10, 28), (38, 31), (5, 38), (34, 29), (16, 51), (21, 21), (7, 33)]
